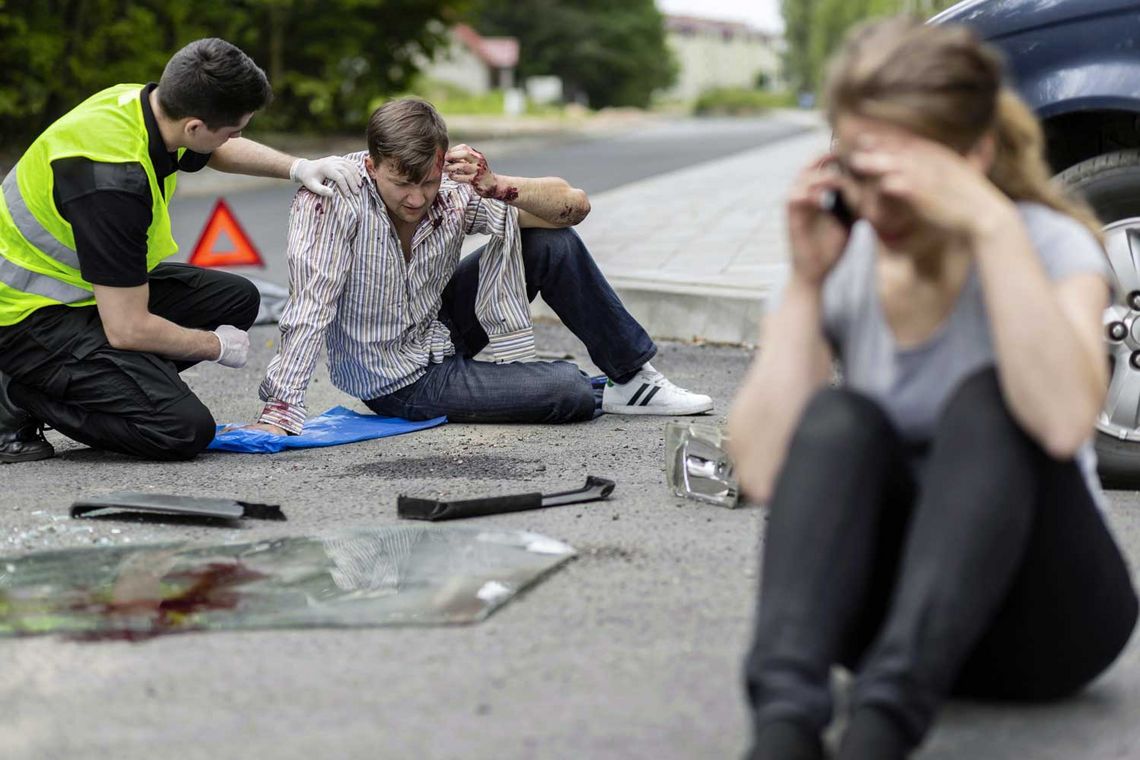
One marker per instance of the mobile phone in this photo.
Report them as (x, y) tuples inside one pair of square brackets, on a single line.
[(832, 202)]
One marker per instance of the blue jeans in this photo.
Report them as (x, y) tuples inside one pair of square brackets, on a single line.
[(557, 265)]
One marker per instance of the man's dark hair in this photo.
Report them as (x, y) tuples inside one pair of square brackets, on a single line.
[(214, 81), (410, 132)]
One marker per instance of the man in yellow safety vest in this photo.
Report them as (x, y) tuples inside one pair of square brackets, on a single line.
[(94, 329)]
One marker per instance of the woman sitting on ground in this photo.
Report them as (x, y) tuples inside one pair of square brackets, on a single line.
[(935, 522)]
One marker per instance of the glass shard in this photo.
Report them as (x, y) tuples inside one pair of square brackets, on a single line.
[(399, 575)]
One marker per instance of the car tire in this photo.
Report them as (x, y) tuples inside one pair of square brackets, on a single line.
[(1111, 185), (1116, 463)]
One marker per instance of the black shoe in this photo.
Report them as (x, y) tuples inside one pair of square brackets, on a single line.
[(785, 740), (874, 735), (26, 444)]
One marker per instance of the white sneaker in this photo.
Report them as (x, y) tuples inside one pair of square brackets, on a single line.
[(650, 392)]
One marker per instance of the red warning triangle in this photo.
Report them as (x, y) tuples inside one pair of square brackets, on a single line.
[(223, 242)]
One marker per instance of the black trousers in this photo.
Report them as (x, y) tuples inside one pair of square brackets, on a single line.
[(989, 573), (65, 373)]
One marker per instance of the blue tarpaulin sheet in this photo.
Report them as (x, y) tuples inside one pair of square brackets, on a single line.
[(336, 426)]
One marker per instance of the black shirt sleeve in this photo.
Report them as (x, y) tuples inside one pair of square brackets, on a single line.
[(109, 209), (192, 162)]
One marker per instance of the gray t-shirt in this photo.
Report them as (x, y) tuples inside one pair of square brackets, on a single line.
[(914, 384)]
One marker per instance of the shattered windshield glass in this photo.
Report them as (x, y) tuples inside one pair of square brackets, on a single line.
[(415, 575)]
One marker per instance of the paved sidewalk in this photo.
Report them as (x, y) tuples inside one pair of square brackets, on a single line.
[(695, 253)]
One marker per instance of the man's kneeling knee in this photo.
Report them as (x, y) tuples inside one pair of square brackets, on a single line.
[(182, 431)]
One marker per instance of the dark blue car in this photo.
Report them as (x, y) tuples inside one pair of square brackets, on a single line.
[(1077, 63)]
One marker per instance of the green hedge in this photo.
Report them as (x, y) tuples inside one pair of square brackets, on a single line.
[(735, 101)]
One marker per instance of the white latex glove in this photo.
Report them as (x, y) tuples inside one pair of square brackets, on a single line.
[(235, 346), (313, 173)]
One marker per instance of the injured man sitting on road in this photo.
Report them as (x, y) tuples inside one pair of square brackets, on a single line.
[(377, 276)]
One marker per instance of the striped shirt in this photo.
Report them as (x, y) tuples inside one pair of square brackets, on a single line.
[(351, 288)]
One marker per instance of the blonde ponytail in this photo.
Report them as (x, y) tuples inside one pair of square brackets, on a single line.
[(1020, 170)]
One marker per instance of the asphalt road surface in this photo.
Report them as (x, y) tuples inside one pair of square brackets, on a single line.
[(633, 650)]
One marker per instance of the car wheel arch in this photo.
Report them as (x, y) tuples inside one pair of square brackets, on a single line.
[(1074, 136)]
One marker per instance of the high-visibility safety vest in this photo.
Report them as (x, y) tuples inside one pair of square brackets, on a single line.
[(38, 263)]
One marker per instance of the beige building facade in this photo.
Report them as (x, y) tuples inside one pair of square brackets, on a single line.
[(712, 53), (475, 63)]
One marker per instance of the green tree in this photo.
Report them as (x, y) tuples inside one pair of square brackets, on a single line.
[(54, 53), (613, 54), (815, 28), (328, 60), (798, 18)]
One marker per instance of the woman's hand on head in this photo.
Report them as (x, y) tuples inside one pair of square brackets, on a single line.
[(944, 188), (817, 237)]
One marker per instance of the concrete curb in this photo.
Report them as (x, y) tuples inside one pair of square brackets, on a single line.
[(701, 266), (692, 314)]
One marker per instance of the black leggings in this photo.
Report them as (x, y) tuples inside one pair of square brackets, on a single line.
[(989, 573)]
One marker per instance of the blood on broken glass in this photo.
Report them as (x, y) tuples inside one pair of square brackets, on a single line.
[(399, 575)]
